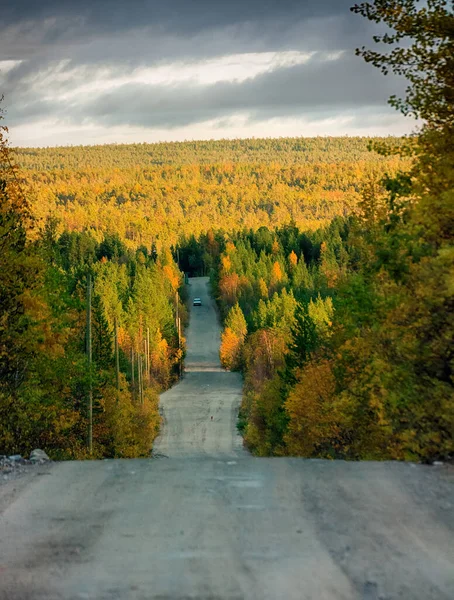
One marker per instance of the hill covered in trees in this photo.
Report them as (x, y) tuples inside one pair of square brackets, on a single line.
[(333, 267), (153, 194)]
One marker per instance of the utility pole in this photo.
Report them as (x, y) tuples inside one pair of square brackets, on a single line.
[(179, 345), (117, 359), (89, 357), (178, 326), (139, 378), (148, 356), (132, 369)]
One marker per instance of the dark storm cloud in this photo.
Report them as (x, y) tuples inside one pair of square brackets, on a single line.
[(180, 16), (141, 31), (64, 45)]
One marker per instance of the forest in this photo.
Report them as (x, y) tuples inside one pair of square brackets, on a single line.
[(344, 339), (331, 260), (60, 294), (344, 332), (153, 194)]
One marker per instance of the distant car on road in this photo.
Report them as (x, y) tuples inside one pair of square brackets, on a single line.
[(197, 302)]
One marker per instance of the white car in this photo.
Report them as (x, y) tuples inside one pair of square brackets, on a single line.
[(197, 302)]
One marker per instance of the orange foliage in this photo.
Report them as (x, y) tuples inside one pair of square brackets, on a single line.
[(226, 263), (124, 338), (230, 350), (228, 287), (230, 248), (160, 364), (276, 273), (293, 259), (172, 276)]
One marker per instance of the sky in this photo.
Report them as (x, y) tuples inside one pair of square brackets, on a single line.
[(102, 71)]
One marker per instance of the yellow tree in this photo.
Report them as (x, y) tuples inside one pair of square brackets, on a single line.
[(292, 259), (232, 339), (230, 350), (228, 288)]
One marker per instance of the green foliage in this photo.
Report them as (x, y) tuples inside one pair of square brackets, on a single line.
[(321, 313), (17, 275), (262, 406), (368, 369), (44, 380), (275, 313), (341, 317), (302, 343), (425, 58), (359, 370), (236, 321)]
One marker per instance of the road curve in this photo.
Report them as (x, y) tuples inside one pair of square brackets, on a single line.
[(200, 412), (212, 522)]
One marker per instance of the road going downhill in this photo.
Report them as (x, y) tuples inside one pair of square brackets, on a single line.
[(207, 521), (200, 413)]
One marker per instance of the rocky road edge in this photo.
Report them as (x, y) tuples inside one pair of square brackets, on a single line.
[(15, 466)]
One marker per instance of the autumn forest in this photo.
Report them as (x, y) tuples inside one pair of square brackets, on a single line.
[(331, 261)]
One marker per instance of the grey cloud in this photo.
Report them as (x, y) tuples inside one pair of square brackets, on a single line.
[(122, 54), (146, 48), (125, 34), (319, 86), (141, 32), (182, 16)]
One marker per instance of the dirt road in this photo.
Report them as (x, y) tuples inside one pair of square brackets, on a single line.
[(200, 413), (212, 522)]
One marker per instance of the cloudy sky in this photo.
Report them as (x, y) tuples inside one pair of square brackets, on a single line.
[(97, 71)]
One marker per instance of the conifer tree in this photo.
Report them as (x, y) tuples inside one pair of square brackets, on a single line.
[(304, 341)]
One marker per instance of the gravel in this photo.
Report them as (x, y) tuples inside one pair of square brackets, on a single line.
[(210, 522), (14, 466)]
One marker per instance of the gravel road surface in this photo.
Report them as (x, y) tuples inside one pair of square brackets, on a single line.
[(200, 412), (211, 522)]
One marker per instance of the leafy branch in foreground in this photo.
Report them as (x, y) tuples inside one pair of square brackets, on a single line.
[(421, 49)]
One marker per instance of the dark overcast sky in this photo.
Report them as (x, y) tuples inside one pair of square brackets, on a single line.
[(141, 70)]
